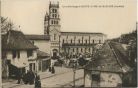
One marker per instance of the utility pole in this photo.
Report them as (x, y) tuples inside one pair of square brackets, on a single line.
[(0, 52), (74, 78), (59, 44), (74, 72)]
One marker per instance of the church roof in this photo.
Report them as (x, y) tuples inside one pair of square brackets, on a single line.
[(38, 37), (16, 40), (105, 60)]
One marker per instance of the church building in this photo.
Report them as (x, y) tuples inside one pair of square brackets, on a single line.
[(55, 42)]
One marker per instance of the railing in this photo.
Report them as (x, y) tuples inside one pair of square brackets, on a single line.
[(80, 44)]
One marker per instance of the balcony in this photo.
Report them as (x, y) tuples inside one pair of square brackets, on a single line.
[(78, 44)]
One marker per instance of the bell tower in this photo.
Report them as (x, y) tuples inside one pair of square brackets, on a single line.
[(52, 26), (54, 20)]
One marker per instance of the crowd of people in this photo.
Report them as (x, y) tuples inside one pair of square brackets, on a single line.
[(81, 60), (29, 78)]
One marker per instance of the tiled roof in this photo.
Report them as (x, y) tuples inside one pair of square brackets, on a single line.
[(15, 40), (105, 60), (38, 37), (42, 54), (121, 54)]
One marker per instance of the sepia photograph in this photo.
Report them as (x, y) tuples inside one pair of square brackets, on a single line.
[(68, 43)]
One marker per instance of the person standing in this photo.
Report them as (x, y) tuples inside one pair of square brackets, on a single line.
[(25, 77), (53, 70), (32, 77), (19, 76), (49, 69), (37, 81)]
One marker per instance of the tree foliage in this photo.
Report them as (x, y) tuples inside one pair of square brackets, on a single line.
[(5, 25)]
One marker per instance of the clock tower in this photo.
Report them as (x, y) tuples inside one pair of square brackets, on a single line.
[(52, 27)]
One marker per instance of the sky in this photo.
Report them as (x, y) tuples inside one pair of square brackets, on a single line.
[(112, 21)]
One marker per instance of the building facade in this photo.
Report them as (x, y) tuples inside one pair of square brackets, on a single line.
[(106, 70), (18, 54), (80, 43), (68, 42), (41, 41), (43, 61)]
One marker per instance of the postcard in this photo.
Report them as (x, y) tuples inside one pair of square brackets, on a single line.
[(68, 43)]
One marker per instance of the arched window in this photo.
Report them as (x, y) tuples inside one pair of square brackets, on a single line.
[(86, 41), (71, 41), (55, 10), (79, 40), (53, 15), (73, 49), (93, 41), (82, 39), (52, 22), (77, 49), (85, 49), (81, 49), (99, 41), (54, 36), (89, 49), (57, 22)]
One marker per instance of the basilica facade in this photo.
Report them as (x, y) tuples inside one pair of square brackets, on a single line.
[(55, 42), (68, 42)]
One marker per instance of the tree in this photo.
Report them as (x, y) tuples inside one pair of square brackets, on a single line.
[(5, 25)]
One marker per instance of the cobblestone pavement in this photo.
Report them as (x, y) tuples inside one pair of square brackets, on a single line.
[(62, 78)]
